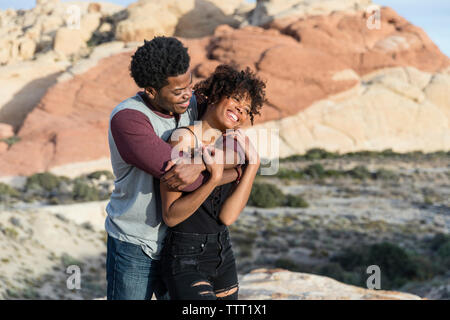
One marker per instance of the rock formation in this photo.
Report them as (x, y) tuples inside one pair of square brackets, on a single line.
[(186, 18), (269, 10), (64, 27), (279, 284), (331, 83)]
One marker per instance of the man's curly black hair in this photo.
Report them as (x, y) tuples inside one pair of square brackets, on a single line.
[(226, 81), (158, 59)]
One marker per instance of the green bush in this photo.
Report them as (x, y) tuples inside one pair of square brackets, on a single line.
[(46, 181), (444, 250), (10, 233), (6, 190), (289, 174), (317, 153), (288, 264), (68, 260), (359, 172), (83, 192), (295, 201), (266, 195), (315, 171), (397, 265), (335, 271), (384, 174), (11, 140), (438, 241)]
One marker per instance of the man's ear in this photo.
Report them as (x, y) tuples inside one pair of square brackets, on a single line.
[(151, 92)]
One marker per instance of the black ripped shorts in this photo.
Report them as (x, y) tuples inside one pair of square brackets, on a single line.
[(199, 266)]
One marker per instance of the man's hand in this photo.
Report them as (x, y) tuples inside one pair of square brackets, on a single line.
[(179, 175)]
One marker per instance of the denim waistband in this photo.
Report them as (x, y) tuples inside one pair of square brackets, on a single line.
[(209, 237)]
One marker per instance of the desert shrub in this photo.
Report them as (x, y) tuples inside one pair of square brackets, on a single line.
[(361, 154), (8, 191), (396, 264), (440, 245), (317, 153), (350, 258), (312, 154), (385, 174), (295, 201), (11, 140), (444, 250), (10, 233), (388, 153), (266, 195), (45, 180), (293, 158), (84, 192), (334, 173), (334, 270), (359, 172), (315, 171), (288, 264), (438, 241), (289, 174), (68, 260)]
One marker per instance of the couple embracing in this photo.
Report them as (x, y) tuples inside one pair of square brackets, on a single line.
[(176, 189)]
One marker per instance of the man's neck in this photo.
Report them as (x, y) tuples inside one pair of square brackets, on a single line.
[(152, 105)]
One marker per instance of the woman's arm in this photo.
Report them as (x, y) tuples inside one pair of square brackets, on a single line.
[(177, 208), (235, 203)]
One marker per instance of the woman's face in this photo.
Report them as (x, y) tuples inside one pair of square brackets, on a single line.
[(232, 112)]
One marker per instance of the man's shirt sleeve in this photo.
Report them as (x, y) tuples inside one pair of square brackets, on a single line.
[(138, 145)]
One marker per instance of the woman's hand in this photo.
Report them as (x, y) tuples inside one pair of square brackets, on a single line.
[(213, 159), (251, 155)]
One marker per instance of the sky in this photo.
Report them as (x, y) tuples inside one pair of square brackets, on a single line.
[(432, 15)]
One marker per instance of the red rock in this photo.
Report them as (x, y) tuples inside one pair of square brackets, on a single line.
[(347, 37), (6, 130), (3, 147), (297, 58)]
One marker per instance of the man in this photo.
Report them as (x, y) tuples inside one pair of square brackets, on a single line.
[(137, 132)]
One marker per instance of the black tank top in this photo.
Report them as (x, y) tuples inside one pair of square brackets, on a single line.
[(206, 218)]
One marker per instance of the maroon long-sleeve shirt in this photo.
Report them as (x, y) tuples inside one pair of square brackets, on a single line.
[(137, 141)]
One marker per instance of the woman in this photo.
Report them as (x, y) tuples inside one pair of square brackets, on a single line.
[(197, 259)]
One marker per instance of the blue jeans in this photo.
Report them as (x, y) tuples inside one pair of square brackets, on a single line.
[(131, 274)]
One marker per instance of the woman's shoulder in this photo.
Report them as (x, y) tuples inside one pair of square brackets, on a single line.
[(183, 137)]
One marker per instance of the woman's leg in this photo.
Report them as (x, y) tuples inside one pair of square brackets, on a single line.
[(180, 265), (226, 285), (190, 287)]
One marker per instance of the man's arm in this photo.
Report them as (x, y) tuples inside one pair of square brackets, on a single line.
[(234, 158), (139, 146)]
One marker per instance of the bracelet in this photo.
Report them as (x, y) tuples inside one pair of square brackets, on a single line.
[(239, 175)]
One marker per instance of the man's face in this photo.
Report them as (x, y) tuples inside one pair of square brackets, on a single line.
[(175, 96)]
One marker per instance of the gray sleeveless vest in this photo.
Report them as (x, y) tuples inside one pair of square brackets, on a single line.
[(134, 211)]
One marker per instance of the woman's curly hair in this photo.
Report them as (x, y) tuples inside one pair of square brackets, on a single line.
[(226, 81), (158, 59)]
